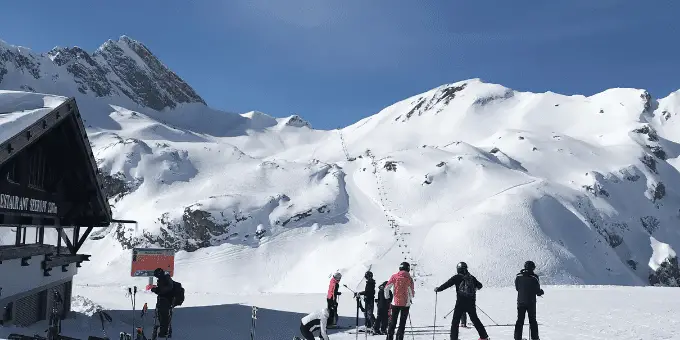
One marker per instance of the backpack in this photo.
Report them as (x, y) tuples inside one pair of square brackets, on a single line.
[(467, 287), (178, 294)]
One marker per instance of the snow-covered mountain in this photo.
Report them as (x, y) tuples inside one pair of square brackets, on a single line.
[(469, 171), (118, 69)]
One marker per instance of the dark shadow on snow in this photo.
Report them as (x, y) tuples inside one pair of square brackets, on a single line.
[(231, 321)]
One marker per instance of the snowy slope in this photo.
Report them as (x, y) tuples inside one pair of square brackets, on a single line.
[(578, 184), (564, 313)]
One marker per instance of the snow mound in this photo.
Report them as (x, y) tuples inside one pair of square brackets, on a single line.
[(661, 252), (19, 110)]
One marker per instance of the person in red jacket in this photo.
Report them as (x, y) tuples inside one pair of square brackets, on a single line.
[(332, 299), (402, 288)]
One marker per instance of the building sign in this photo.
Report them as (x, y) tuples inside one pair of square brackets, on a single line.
[(11, 202), (146, 260)]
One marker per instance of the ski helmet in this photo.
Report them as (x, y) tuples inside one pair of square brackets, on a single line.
[(405, 266), (337, 276), (368, 275), (159, 272), (462, 268), (530, 266)]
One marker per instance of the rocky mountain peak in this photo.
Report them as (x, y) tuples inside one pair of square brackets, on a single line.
[(123, 68)]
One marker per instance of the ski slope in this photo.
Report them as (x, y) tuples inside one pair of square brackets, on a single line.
[(564, 313)]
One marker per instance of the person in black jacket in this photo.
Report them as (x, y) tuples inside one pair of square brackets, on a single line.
[(369, 296), (528, 287), (466, 300), (164, 301), (381, 323)]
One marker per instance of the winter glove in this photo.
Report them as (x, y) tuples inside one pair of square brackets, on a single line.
[(339, 293), (437, 290), (154, 290), (540, 292)]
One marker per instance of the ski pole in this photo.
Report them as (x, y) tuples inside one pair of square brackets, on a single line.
[(357, 319), (134, 306), (411, 323), (434, 324), (487, 315), (133, 313), (449, 313), (349, 288)]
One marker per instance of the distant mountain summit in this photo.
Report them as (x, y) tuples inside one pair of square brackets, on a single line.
[(123, 69)]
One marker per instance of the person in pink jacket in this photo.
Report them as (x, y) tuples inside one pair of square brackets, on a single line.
[(332, 299), (402, 288)]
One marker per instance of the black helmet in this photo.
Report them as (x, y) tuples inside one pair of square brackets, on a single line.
[(159, 272), (368, 275), (405, 266), (462, 268), (530, 266)]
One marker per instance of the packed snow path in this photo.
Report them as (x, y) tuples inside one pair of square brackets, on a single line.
[(565, 313), (390, 216)]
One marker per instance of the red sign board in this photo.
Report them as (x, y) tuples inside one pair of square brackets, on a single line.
[(146, 260)]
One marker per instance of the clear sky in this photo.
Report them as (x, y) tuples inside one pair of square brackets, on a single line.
[(337, 61)]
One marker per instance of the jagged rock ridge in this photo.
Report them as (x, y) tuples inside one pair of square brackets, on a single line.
[(124, 68)]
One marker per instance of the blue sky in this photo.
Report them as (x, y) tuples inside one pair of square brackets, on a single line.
[(335, 62)]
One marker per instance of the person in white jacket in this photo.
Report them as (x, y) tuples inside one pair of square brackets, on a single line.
[(315, 321)]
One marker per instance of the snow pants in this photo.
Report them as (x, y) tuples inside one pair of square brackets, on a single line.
[(466, 306), (163, 310), (306, 331), (332, 311), (533, 325), (380, 324), (402, 314), (368, 312), (164, 322)]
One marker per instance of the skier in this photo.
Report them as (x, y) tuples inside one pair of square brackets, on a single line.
[(332, 298), (312, 322), (466, 296), (164, 301), (402, 288), (528, 287), (380, 325), (369, 296)]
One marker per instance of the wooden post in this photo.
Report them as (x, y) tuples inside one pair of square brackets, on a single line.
[(18, 235), (59, 231)]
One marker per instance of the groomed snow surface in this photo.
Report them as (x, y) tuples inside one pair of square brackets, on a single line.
[(564, 313), (263, 210)]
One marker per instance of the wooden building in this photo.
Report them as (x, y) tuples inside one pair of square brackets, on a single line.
[(49, 182)]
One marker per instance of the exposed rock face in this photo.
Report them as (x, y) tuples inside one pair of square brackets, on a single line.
[(668, 274), (144, 78), (441, 98), (124, 68), (297, 121)]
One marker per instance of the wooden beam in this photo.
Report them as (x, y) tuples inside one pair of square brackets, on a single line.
[(63, 260), (76, 238), (81, 241), (69, 245), (12, 252), (18, 236)]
